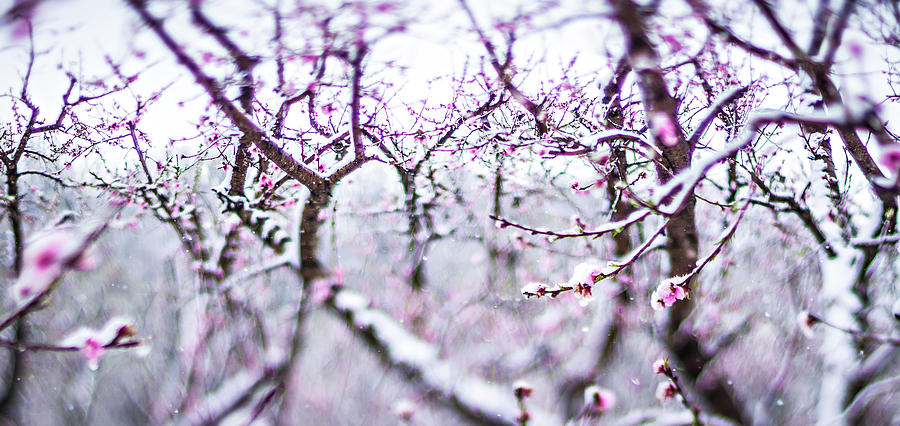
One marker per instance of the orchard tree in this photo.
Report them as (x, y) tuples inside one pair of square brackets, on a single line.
[(497, 213)]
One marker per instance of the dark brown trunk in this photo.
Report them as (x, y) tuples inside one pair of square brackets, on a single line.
[(682, 244)]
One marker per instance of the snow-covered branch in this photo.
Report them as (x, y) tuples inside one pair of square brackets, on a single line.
[(473, 397), (671, 197), (714, 110), (233, 393)]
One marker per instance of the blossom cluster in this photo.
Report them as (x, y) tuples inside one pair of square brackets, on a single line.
[(582, 281), (668, 292), (667, 390), (584, 276)]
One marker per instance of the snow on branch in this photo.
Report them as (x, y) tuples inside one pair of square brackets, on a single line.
[(613, 134), (838, 278), (729, 97), (678, 287), (589, 273), (881, 387), (875, 242), (264, 268), (473, 397), (234, 392)]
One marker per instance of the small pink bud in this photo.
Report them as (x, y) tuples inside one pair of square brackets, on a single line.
[(673, 43), (522, 389), (663, 128), (93, 350), (856, 49), (534, 289), (598, 399), (660, 366), (404, 409), (806, 321), (666, 391), (890, 157)]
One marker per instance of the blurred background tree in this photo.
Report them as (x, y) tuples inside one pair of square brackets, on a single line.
[(374, 212)]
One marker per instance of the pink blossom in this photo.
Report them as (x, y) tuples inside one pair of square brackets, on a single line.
[(598, 399), (660, 366), (404, 409), (93, 350), (266, 181), (603, 159), (656, 303), (93, 343), (520, 243), (320, 291), (666, 391), (890, 157), (806, 321), (506, 27), (584, 276), (856, 49), (45, 259), (667, 294), (337, 274), (534, 289), (386, 7), (663, 127), (522, 389), (586, 272), (21, 28), (673, 43), (88, 260), (583, 290), (576, 222)]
